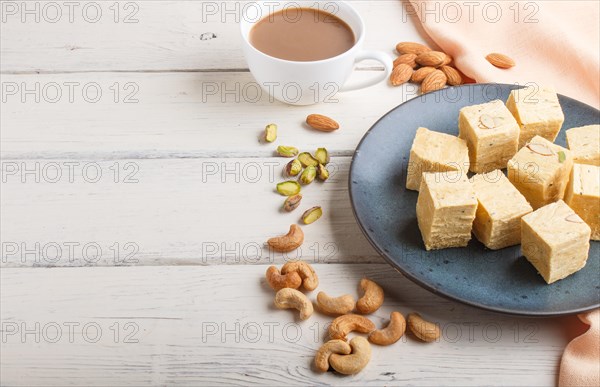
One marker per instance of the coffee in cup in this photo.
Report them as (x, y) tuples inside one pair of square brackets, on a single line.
[(301, 54)]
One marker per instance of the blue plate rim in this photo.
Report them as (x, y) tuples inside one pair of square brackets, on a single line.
[(424, 284)]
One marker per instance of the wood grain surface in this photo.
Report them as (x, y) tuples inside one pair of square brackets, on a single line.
[(217, 326), (136, 199)]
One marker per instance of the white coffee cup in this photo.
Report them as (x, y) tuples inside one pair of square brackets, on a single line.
[(307, 83)]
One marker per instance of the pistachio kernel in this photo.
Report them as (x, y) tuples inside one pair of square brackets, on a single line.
[(288, 188), (287, 151), (271, 133), (322, 156), (293, 168), (309, 174), (307, 160), (322, 172), (292, 202), (312, 215)]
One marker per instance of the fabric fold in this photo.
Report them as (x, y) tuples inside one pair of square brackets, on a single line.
[(554, 43), (580, 363)]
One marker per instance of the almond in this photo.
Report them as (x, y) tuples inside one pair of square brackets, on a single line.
[(540, 149), (500, 60), (401, 74), (574, 218), (322, 123), (408, 59), (453, 76), (421, 73), (411, 48), (431, 58), (434, 81), (487, 122), (447, 60)]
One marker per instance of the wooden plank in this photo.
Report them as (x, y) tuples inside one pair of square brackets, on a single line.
[(176, 115), (174, 211), (216, 325), (155, 35)]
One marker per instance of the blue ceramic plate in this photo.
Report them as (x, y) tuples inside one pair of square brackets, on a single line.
[(502, 280)]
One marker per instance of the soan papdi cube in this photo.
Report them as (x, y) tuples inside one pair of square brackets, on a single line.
[(435, 152), (499, 212), (540, 171), (584, 144), (446, 209), (583, 195), (492, 135), (537, 111), (555, 240)]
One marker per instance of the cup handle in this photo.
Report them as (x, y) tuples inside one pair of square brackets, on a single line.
[(379, 56)]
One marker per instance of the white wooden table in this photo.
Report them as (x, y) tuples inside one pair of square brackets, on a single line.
[(136, 199)]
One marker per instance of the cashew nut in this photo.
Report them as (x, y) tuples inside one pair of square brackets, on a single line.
[(390, 334), (341, 326), (329, 348), (289, 242), (335, 305), (372, 298), (278, 281), (310, 281), (423, 329), (288, 298), (356, 361)]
